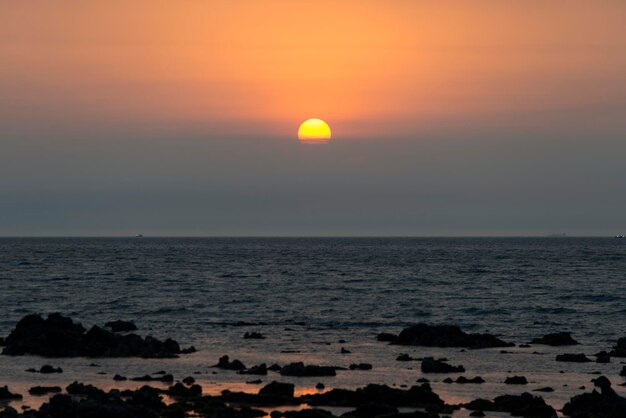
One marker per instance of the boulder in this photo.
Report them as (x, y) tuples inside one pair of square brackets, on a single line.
[(7, 395), (619, 350), (260, 370), (225, 363), (181, 391), (476, 380), (278, 389), (555, 339), (430, 365), (574, 358), (446, 336), (516, 380), (300, 370)]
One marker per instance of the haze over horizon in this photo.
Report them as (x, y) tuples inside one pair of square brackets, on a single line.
[(448, 119)]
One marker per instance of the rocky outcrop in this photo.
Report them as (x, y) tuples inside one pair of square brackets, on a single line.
[(446, 336), (555, 339), (225, 363), (619, 350), (278, 389), (524, 405), (44, 390), (299, 369), (605, 404), (59, 336), (7, 395), (260, 370), (417, 396), (516, 380)]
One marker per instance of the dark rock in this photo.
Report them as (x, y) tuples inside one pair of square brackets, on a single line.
[(344, 351), (166, 378), (361, 366), (300, 370), (274, 367), (430, 365), (43, 390), (463, 379), (623, 371), (404, 357), (371, 410), (119, 378), (603, 357), (448, 380), (253, 336), (121, 326), (77, 388), (303, 413), (417, 396), (516, 380), (7, 395), (181, 391), (59, 336), (423, 380), (260, 370), (555, 339), (575, 358), (524, 405), (619, 350), (188, 350), (189, 380), (544, 389), (47, 369), (446, 336), (224, 363), (320, 386), (278, 389), (254, 382), (606, 404), (524, 346), (386, 337)]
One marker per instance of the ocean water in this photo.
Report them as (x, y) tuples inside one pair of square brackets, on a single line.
[(307, 294)]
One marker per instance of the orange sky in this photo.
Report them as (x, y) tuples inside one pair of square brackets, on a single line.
[(370, 68)]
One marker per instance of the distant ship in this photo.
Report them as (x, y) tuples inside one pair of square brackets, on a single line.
[(138, 236), (619, 236)]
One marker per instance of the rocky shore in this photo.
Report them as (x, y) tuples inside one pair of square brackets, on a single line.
[(170, 396)]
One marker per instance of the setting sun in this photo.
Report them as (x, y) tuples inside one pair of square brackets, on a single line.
[(314, 131)]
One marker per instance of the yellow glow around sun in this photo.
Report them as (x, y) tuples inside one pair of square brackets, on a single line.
[(314, 131)]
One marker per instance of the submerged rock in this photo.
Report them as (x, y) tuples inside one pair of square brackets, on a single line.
[(606, 404), (574, 358), (524, 405), (300, 370), (253, 336), (430, 365), (555, 339), (59, 336), (404, 357), (166, 378), (446, 336), (46, 369)]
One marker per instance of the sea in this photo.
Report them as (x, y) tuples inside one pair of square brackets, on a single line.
[(311, 297)]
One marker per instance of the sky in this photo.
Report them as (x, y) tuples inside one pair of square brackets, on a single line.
[(181, 118)]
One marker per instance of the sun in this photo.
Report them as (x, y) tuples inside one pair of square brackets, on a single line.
[(314, 131)]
